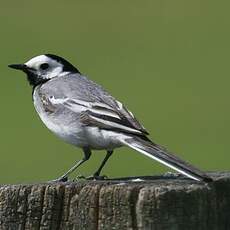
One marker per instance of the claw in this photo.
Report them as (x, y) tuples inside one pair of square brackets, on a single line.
[(60, 179), (95, 177), (79, 177)]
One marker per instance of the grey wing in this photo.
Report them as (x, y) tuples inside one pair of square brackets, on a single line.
[(95, 105)]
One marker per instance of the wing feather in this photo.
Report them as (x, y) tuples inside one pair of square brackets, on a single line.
[(100, 114), (81, 94)]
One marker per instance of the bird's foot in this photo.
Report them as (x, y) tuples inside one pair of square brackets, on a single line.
[(60, 179), (79, 177), (96, 177)]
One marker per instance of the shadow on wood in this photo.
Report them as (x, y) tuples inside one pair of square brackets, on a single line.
[(156, 203)]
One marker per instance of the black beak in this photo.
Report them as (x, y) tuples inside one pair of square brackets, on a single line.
[(22, 67)]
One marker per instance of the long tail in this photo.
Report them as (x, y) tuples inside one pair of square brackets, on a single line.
[(158, 153)]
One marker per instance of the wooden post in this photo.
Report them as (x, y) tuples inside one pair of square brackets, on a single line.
[(156, 203)]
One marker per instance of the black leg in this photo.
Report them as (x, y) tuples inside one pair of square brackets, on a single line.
[(87, 154), (97, 173)]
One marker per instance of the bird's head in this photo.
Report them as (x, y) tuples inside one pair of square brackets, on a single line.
[(42, 68)]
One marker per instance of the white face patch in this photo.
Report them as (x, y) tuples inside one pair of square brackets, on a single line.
[(53, 68)]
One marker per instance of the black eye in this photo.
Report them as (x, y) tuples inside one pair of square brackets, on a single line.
[(44, 66)]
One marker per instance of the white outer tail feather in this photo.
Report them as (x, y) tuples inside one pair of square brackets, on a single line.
[(135, 146)]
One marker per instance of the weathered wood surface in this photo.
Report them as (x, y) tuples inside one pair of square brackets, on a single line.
[(156, 203)]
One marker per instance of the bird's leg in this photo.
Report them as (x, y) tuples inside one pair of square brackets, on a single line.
[(97, 173), (64, 178)]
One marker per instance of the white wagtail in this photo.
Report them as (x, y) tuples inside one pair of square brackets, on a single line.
[(82, 113)]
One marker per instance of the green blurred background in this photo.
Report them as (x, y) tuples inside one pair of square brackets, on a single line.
[(168, 61)]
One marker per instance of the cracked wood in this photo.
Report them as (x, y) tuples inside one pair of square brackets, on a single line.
[(153, 203)]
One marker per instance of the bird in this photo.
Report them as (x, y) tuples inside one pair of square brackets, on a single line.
[(84, 114)]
